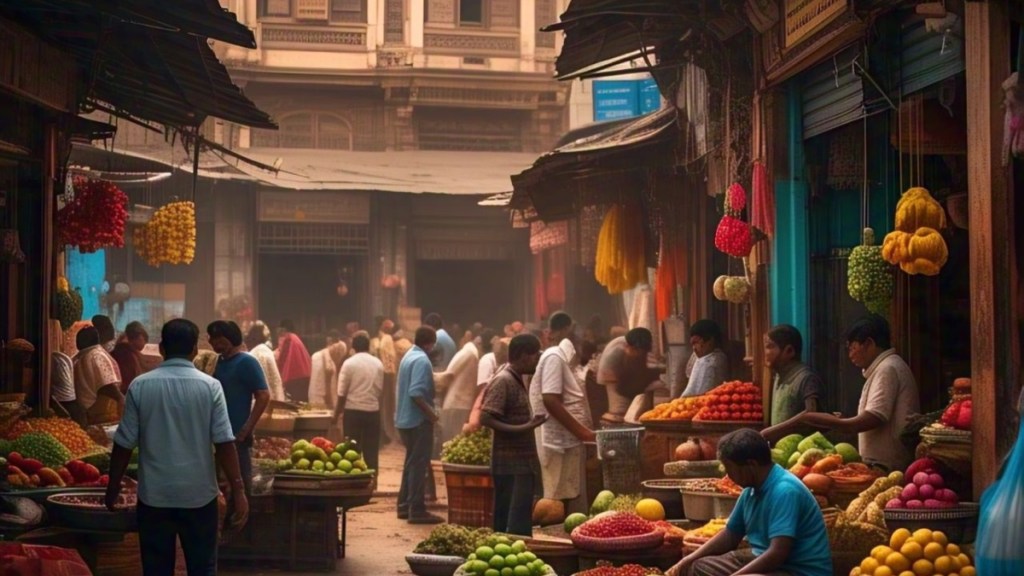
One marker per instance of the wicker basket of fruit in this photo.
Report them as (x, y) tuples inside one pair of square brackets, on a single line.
[(959, 523), (617, 532), (87, 511)]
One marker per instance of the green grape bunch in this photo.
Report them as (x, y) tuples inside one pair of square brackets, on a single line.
[(870, 279), (472, 449)]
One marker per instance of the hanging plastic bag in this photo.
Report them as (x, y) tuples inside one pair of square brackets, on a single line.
[(1001, 525)]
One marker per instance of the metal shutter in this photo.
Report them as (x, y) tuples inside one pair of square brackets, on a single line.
[(927, 57), (833, 95)]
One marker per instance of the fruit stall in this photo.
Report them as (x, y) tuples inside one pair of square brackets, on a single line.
[(466, 464), (301, 495), (706, 418)]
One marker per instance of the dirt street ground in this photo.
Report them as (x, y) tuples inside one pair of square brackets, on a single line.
[(377, 540)]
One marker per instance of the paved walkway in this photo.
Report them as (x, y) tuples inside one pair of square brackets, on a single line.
[(377, 540)]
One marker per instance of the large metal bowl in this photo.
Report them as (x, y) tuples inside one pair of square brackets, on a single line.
[(97, 518)]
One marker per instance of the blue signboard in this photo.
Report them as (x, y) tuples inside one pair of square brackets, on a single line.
[(650, 96), (621, 99), (615, 100)]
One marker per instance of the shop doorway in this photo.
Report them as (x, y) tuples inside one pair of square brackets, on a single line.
[(468, 291), (318, 292)]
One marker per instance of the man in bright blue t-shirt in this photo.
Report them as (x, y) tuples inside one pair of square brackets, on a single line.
[(415, 418), (245, 389), (776, 513)]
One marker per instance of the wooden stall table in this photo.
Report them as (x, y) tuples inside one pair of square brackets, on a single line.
[(310, 537), (662, 436)]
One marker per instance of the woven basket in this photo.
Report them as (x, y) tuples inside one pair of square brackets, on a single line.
[(960, 524), (648, 541), (830, 515), (946, 436), (694, 469)]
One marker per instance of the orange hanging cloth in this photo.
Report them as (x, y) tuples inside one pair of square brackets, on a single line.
[(665, 280)]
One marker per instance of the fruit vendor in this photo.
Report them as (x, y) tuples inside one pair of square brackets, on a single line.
[(555, 391), (888, 398), (796, 389), (709, 365), (776, 513), (245, 390), (514, 462), (128, 353), (97, 379), (415, 419), (293, 361), (624, 372)]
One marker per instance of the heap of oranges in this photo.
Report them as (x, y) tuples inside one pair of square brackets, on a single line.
[(921, 553), (68, 433)]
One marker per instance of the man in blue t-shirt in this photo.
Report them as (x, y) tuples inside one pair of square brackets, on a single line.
[(245, 389), (776, 513), (415, 418)]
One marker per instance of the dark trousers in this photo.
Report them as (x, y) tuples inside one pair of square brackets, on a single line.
[(364, 428), (418, 442), (195, 527), (513, 503), (245, 464)]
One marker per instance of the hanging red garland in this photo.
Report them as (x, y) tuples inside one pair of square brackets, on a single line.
[(95, 218)]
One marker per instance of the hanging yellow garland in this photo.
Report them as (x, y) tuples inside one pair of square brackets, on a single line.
[(169, 237)]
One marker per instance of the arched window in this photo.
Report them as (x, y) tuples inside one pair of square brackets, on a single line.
[(316, 130)]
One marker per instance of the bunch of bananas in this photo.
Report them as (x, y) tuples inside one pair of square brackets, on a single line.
[(870, 280), (169, 237), (621, 253)]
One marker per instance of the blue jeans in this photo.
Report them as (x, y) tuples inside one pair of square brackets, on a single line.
[(513, 503), (418, 442)]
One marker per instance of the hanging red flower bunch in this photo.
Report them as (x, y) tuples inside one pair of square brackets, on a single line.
[(95, 218), (734, 236)]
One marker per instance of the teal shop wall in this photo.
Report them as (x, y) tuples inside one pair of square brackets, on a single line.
[(790, 298), (86, 272)]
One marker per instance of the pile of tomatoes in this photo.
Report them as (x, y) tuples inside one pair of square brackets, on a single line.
[(733, 401), (616, 526), (627, 570)]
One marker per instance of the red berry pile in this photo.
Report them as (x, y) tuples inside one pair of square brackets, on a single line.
[(627, 570), (95, 218), (616, 526), (733, 401)]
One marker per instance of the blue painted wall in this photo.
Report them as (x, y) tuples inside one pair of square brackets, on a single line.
[(86, 272), (790, 297)]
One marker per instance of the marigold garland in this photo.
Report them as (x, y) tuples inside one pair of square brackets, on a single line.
[(169, 237)]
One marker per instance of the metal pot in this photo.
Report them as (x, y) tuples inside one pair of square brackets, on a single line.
[(666, 491)]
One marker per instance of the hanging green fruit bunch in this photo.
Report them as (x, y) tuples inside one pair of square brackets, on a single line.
[(68, 305), (870, 279)]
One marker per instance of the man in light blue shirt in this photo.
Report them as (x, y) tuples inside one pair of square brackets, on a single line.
[(776, 513), (177, 417), (445, 349), (415, 418)]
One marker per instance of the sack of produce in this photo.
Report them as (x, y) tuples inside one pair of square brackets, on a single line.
[(1001, 525)]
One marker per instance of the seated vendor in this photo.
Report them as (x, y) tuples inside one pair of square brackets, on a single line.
[(624, 372), (776, 513), (709, 365), (97, 379), (888, 398), (796, 388)]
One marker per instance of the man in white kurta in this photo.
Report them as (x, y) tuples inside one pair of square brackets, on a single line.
[(457, 384)]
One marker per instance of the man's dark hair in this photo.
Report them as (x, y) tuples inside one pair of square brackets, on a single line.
[(229, 330), (707, 330), (425, 336), (872, 327), (105, 327), (361, 342), (640, 338), (522, 345), (559, 321), (485, 340), (786, 335), (135, 329), (87, 337), (743, 445), (434, 321), (179, 338), (287, 325)]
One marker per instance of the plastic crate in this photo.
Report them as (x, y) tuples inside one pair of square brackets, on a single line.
[(618, 449)]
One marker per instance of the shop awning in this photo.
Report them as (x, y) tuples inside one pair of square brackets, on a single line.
[(155, 73), (602, 33), (591, 169)]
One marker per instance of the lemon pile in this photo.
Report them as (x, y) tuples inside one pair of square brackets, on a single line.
[(921, 553), (169, 237)]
